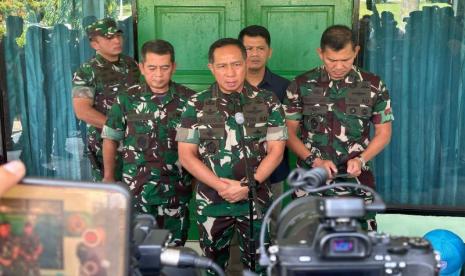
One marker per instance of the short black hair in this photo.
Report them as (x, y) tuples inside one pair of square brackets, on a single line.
[(159, 47), (337, 37), (225, 42), (254, 31)]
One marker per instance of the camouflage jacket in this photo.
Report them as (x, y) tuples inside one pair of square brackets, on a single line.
[(7, 246), (146, 125), (29, 243), (101, 80), (335, 115), (209, 122)]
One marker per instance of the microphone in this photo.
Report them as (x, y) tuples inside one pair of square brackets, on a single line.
[(186, 257), (307, 180), (239, 117)]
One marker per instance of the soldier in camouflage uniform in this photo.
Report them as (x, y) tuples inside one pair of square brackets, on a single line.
[(96, 84), (144, 119), (30, 249), (332, 107), (210, 148), (8, 250)]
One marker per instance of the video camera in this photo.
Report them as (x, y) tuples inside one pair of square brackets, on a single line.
[(323, 236), (83, 229)]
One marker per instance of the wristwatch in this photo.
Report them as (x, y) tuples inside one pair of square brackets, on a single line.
[(309, 160), (362, 160)]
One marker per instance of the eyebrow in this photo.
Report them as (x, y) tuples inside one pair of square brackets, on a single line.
[(163, 65), (345, 59)]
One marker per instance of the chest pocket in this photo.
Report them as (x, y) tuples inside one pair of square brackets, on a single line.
[(172, 121), (211, 128), (210, 139), (112, 82), (141, 127), (315, 108), (256, 119), (358, 101)]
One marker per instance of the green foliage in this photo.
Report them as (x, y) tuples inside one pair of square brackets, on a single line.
[(21, 40), (49, 13), (27, 9), (111, 7)]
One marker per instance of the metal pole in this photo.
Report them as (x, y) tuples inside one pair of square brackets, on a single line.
[(3, 138)]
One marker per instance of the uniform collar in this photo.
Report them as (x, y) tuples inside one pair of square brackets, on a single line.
[(248, 90), (103, 60), (170, 94), (352, 76)]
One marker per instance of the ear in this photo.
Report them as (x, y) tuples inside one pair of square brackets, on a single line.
[(271, 53), (174, 67), (357, 49), (141, 67), (94, 44), (320, 53), (210, 66)]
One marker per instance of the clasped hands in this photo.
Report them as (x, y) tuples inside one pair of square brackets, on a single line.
[(232, 190)]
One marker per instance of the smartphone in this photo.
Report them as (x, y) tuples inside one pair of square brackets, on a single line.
[(60, 227)]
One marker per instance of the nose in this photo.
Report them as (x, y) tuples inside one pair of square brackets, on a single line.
[(157, 72), (116, 39), (252, 52), (339, 65), (230, 72)]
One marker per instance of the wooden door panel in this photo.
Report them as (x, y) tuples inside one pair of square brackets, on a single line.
[(296, 28), (191, 26)]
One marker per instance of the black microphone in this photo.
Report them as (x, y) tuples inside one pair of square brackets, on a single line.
[(239, 118), (186, 257), (307, 180)]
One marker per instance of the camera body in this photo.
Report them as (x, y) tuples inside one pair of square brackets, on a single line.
[(371, 254), (322, 236)]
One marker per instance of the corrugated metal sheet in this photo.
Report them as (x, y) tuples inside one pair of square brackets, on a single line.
[(39, 93), (423, 68)]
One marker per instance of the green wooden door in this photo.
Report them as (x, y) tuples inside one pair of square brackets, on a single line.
[(295, 28), (192, 25)]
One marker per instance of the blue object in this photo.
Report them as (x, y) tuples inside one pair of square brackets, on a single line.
[(451, 249)]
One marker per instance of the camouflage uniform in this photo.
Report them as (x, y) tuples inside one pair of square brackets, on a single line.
[(28, 244), (146, 125), (7, 248), (101, 80), (209, 122), (335, 119)]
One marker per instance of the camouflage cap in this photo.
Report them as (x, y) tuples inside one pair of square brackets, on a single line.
[(102, 27)]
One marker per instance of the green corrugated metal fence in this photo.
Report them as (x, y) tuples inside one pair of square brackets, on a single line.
[(423, 68), (39, 94)]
